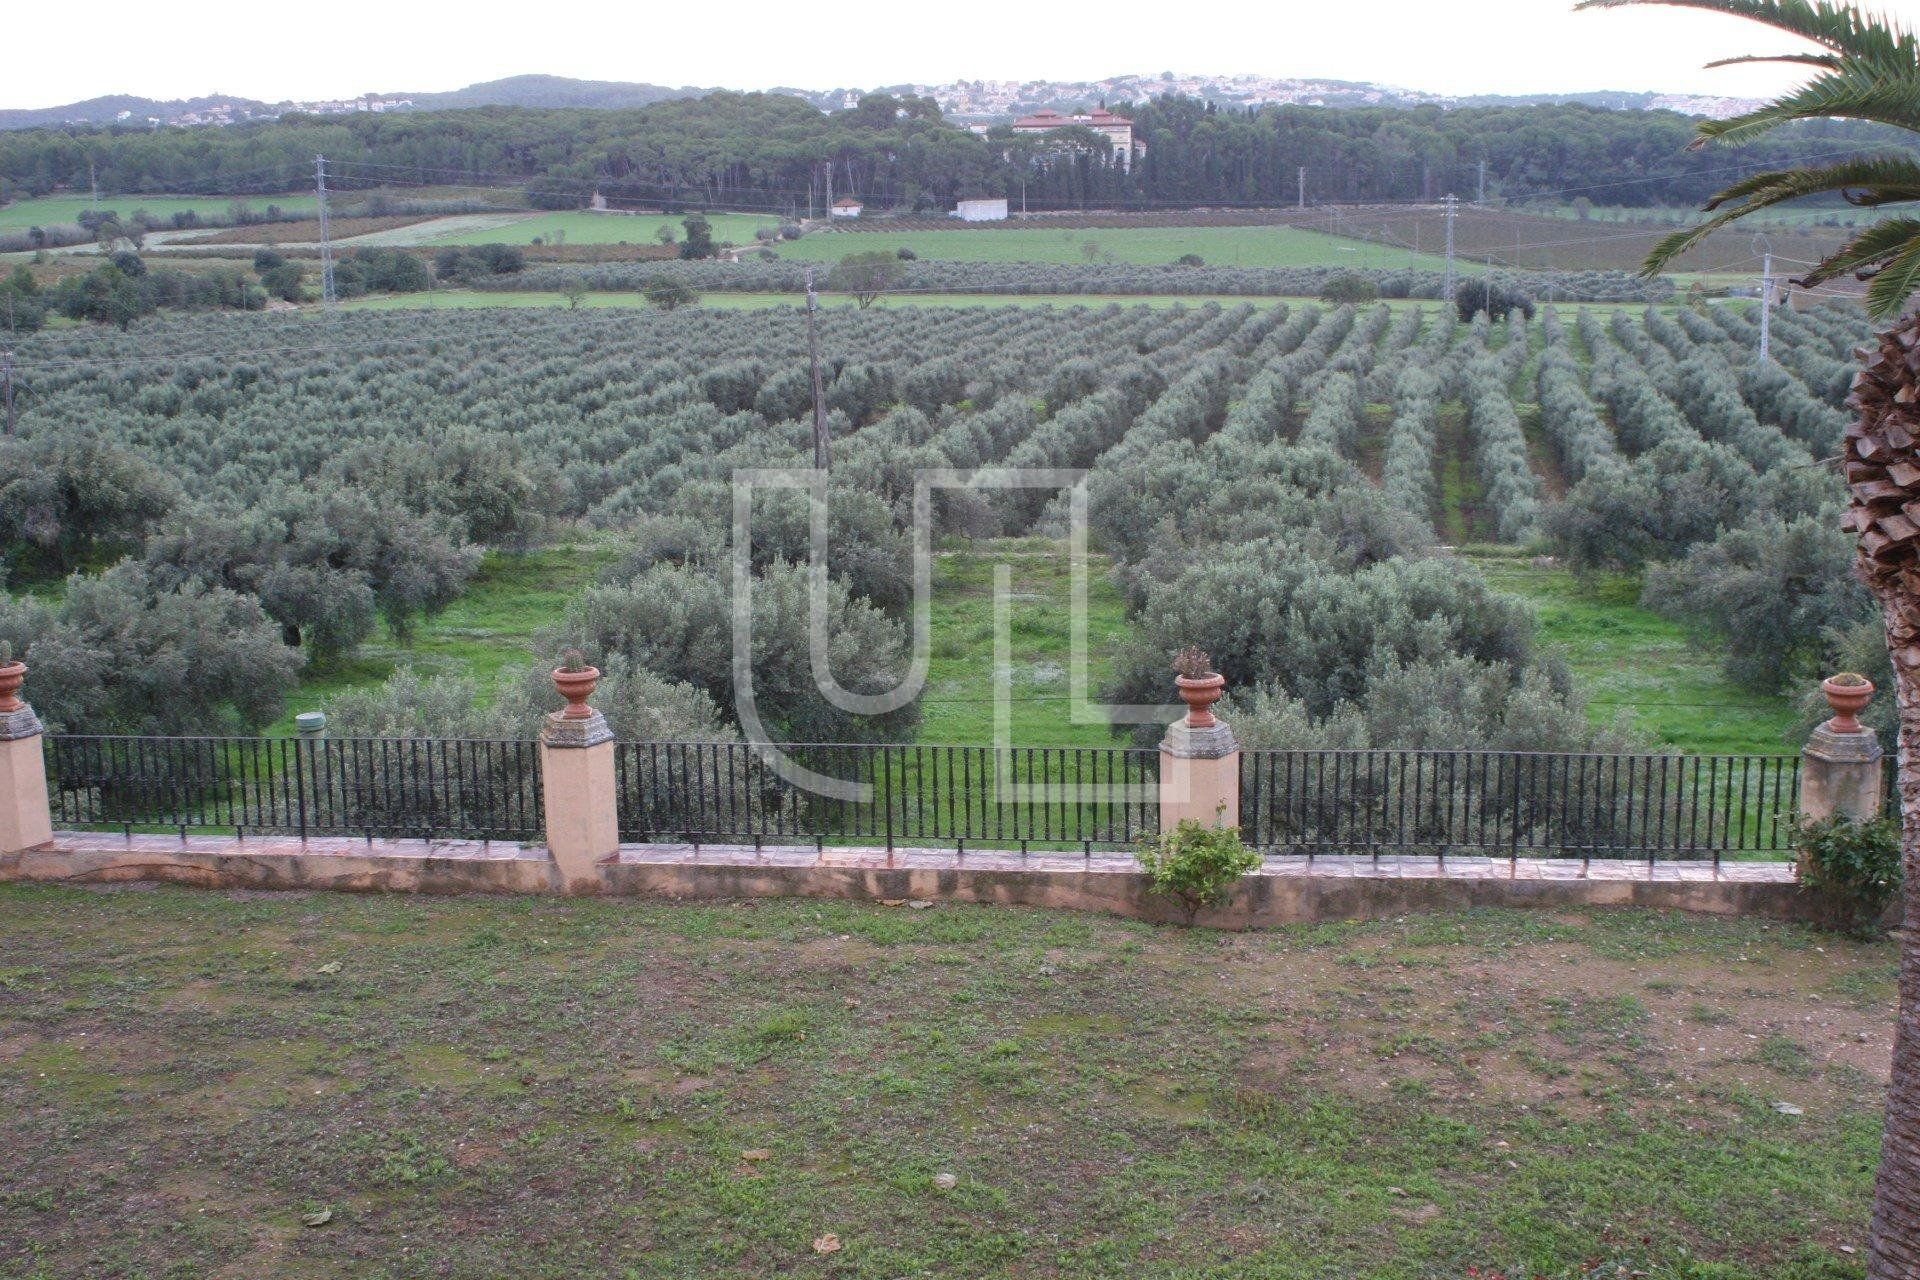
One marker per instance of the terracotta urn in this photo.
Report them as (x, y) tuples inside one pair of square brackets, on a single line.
[(1200, 693), (12, 675), (1848, 701), (576, 687)]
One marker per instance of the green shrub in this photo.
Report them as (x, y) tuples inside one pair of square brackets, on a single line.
[(1195, 865), (1349, 287), (1856, 863)]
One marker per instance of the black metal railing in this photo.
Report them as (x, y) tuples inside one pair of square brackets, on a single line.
[(1513, 803), (1038, 798), (1020, 797), (298, 786)]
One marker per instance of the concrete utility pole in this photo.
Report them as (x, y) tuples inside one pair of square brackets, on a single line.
[(1303, 186), (93, 184), (821, 459), (1482, 198), (1766, 305), (1451, 203), (327, 294), (6, 386)]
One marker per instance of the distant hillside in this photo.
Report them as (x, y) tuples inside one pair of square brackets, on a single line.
[(975, 101), (549, 91), (124, 108)]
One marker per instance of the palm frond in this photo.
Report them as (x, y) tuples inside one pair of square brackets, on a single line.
[(1894, 284), (1844, 29), (1854, 92), (1885, 179), (1810, 59), (1764, 190), (1870, 250)]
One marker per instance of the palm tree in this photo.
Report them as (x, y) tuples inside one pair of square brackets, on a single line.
[(1867, 69)]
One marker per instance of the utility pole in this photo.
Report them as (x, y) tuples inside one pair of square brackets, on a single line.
[(829, 186), (1303, 186), (1483, 181), (1451, 203), (821, 460), (327, 294), (6, 386), (1766, 306), (93, 184)]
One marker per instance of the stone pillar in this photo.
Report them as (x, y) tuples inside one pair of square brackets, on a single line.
[(581, 795), (1199, 776), (26, 819), (1841, 767), (1199, 760)]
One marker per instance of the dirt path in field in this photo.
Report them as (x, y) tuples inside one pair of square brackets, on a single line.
[(1541, 455), (1463, 513)]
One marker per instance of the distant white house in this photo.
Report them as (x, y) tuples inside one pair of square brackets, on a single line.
[(981, 210), (846, 207)]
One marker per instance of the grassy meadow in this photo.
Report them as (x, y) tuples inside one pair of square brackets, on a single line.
[(1216, 246), (1629, 662), (484, 634), (387, 1087), (52, 210), (1632, 664), (603, 228)]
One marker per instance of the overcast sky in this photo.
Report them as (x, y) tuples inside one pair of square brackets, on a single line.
[(276, 51)]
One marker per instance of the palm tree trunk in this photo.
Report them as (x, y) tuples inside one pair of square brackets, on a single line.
[(1882, 461), (1893, 1244)]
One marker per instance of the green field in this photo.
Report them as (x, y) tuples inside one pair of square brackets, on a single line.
[(54, 210), (1631, 663), (487, 1087), (1217, 246), (605, 228), (459, 299)]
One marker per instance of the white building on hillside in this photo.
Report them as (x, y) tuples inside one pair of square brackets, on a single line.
[(846, 207)]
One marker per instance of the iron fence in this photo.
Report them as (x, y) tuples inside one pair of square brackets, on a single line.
[(1512, 803), (1019, 797), (298, 786), (1367, 802)]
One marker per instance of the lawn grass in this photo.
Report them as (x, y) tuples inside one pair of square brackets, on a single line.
[(54, 210), (1217, 246), (605, 228), (483, 1087), (1630, 662)]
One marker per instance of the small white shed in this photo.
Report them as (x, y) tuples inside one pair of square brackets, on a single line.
[(981, 210)]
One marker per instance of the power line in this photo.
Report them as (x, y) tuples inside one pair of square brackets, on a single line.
[(327, 294), (821, 458)]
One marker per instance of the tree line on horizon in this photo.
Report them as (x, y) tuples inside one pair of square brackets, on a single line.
[(759, 150)]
